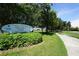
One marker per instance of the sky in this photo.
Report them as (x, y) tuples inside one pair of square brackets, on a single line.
[(68, 12)]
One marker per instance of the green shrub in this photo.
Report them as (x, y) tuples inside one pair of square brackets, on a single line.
[(8, 41)]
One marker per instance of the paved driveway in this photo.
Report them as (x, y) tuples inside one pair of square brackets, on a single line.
[(71, 43)]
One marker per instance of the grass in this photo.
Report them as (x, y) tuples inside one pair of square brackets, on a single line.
[(51, 46), (70, 33)]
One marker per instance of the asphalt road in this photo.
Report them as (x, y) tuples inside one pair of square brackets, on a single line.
[(71, 44)]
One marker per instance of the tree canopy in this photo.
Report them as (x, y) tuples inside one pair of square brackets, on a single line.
[(40, 15)]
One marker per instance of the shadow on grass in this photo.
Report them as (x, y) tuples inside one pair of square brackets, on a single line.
[(47, 33)]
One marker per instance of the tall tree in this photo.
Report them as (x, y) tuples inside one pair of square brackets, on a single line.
[(45, 15), (68, 25)]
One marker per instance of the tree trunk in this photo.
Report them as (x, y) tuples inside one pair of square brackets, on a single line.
[(42, 29), (46, 28)]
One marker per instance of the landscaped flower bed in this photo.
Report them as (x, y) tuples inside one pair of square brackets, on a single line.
[(8, 41)]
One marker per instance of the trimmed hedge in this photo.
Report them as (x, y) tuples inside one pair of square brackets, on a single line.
[(8, 41)]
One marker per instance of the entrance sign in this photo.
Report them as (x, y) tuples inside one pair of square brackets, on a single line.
[(16, 28)]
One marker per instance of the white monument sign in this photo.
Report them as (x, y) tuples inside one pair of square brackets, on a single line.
[(15, 28)]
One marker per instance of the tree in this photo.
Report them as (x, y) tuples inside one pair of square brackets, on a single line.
[(53, 22), (74, 29), (60, 26), (40, 15), (9, 12), (45, 15), (68, 25)]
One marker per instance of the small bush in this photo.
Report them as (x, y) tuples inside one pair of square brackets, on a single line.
[(8, 41)]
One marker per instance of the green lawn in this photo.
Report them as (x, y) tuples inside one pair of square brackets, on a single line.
[(70, 33), (51, 46)]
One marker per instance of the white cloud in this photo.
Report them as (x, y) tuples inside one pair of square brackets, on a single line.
[(75, 23), (66, 11)]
